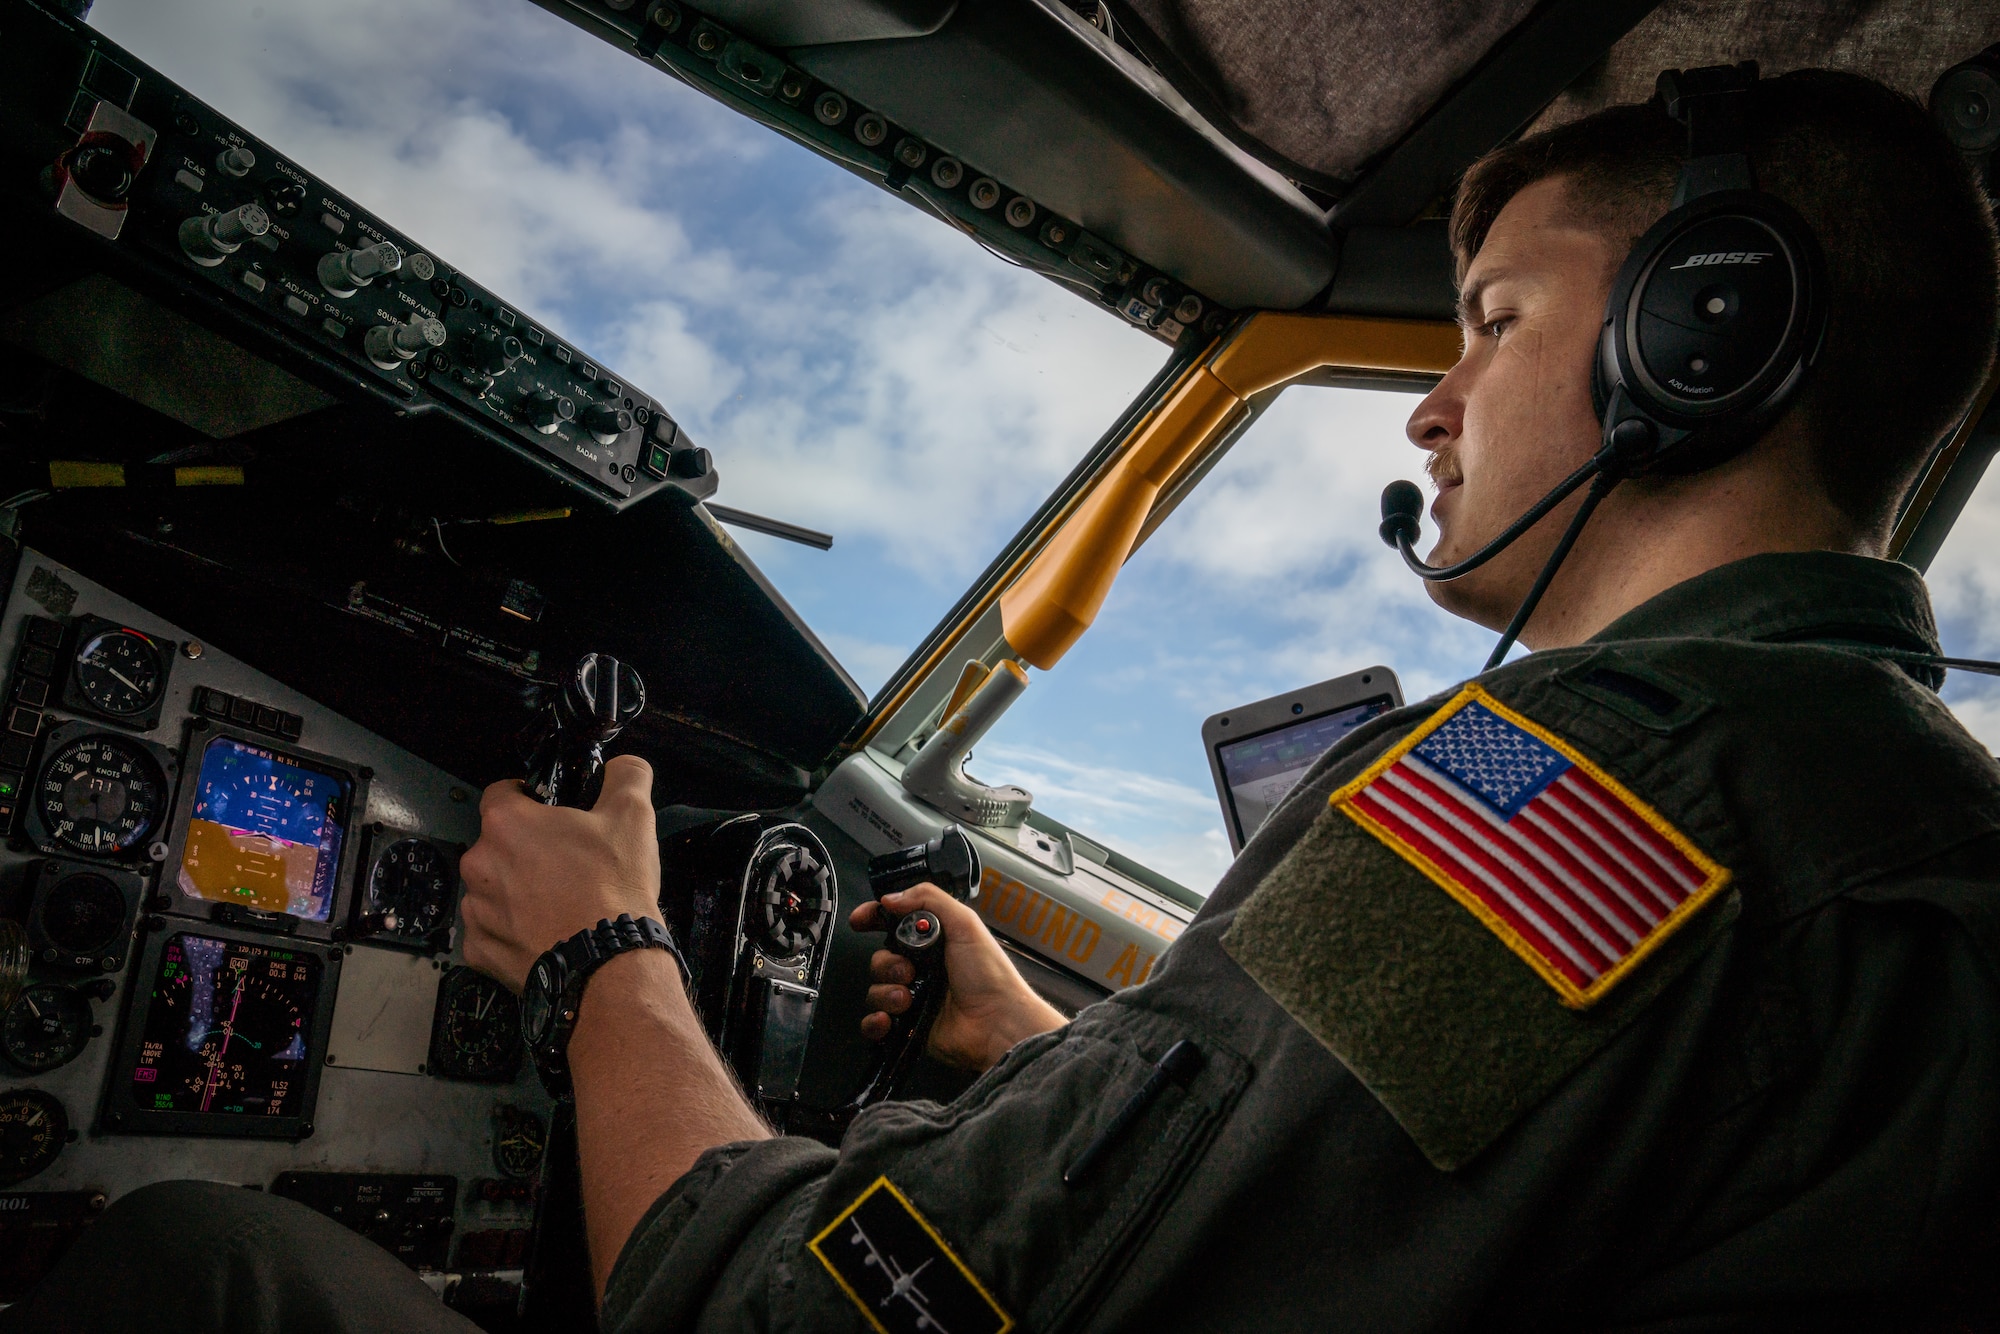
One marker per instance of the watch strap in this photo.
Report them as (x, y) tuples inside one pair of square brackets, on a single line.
[(583, 954)]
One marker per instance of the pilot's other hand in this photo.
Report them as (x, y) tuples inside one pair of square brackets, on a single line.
[(988, 1005), (540, 874)]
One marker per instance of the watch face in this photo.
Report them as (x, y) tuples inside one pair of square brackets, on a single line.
[(538, 1001)]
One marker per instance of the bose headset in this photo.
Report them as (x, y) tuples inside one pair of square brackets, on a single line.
[(1712, 326)]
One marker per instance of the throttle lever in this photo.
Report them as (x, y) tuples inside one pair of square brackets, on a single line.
[(566, 747), (950, 862)]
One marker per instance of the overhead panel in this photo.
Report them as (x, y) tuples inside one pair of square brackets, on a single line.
[(1028, 93)]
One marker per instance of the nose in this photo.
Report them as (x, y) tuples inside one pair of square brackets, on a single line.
[(1440, 418)]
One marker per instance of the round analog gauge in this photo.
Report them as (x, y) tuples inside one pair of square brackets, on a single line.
[(409, 888), (120, 672), (33, 1129), (44, 1028), (518, 1139), (477, 1035), (101, 795), (83, 914)]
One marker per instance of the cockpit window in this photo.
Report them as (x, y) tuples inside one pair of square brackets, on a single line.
[(855, 366), (1269, 577), (1965, 592)]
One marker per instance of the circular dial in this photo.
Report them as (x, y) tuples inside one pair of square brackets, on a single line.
[(33, 1129), (101, 795), (83, 913), (478, 1030), (119, 671), (44, 1028), (518, 1139), (409, 888)]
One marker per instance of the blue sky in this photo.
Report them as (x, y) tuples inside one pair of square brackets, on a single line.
[(859, 368)]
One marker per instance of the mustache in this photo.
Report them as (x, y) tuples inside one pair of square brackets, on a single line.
[(1442, 467)]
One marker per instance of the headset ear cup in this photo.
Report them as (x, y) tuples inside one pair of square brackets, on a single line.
[(1713, 321)]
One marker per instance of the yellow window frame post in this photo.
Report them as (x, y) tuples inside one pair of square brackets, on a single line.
[(1058, 595)]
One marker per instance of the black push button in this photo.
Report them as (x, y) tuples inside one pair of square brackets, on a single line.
[(23, 721), (44, 632), (242, 711), (38, 662), (32, 693), (267, 718), (15, 750), (290, 726), (213, 703)]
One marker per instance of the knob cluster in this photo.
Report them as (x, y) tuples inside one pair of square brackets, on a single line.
[(390, 345), (213, 237), (606, 423), (346, 271)]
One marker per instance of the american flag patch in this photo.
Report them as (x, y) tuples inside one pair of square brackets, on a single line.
[(1578, 876)]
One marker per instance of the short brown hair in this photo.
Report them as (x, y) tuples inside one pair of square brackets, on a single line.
[(1914, 282)]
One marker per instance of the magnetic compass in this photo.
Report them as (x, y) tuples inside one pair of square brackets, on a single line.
[(46, 1027), (519, 1136), (101, 794)]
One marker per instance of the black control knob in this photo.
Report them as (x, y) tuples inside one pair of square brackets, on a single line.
[(547, 411), (213, 237), (103, 166), (606, 423), (692, 463), (390, 345), (566, 756), (345, 271), (236, 161), (494, 353)]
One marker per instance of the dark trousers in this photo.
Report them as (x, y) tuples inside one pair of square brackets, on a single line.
[(182, 1257)]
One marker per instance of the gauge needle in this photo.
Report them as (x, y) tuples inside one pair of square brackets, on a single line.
[(128, 681), (484, 1005), (33, 1008), (36, 1119)]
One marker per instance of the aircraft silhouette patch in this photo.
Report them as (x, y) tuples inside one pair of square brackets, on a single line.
[(894, 1266), (1574, 873)]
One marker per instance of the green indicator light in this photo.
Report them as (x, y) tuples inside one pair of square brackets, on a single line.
[(9, 788)]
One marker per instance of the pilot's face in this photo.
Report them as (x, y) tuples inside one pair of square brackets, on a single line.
[(1514, 416)]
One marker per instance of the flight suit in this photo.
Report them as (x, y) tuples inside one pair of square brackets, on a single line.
[(1778, 1107), (1785, 1111)]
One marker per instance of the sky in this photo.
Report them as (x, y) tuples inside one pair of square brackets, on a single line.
[(859, 368)]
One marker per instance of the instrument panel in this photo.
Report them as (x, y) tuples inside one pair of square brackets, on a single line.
[(240, 914)]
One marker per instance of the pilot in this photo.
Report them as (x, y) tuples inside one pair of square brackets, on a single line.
[(1647, 981)]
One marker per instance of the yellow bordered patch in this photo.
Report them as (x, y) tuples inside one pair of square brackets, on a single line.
[(1573, 872), (894, 1266)]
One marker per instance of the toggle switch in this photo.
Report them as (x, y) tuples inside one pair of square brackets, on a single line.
[(343, 271), (213, 237), (606, 423), (390, 345), (547, 411)]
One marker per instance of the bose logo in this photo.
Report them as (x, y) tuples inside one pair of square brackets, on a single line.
[(1725, 257)]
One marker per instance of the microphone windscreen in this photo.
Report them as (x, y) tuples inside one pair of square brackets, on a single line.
[(1402, 506), (1402, 500)]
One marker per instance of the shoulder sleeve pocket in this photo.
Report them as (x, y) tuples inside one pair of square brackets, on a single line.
[(984, 1175)]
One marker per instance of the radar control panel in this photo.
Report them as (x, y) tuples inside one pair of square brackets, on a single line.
[(254, 245)]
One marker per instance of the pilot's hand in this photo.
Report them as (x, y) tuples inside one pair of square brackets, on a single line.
[(540, 874), (988, 1006)]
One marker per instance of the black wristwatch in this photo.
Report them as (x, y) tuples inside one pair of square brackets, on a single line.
[(554, 994)]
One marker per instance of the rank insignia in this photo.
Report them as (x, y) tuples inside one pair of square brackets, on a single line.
[(1576, 875), (894, 1266)]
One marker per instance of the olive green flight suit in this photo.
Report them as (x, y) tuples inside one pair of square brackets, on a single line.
[(1786, 1114)]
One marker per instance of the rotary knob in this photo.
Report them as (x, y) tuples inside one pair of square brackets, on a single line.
[(390, 345), (690, 463), (606, 423), (494, 353), (235, 161), (213, 237), (547, 411), (345, 271)]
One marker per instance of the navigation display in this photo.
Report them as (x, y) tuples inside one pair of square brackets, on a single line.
[(265, 831), (228, 1029), (1260, 770)]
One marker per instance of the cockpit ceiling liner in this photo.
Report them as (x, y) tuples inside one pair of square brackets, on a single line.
[(1319, 88), (1903, 43)]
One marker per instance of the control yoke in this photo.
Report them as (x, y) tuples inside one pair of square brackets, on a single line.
[(566, 747), (950, 862)]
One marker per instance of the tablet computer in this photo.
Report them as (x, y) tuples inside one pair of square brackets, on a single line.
[(1258, 752)]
